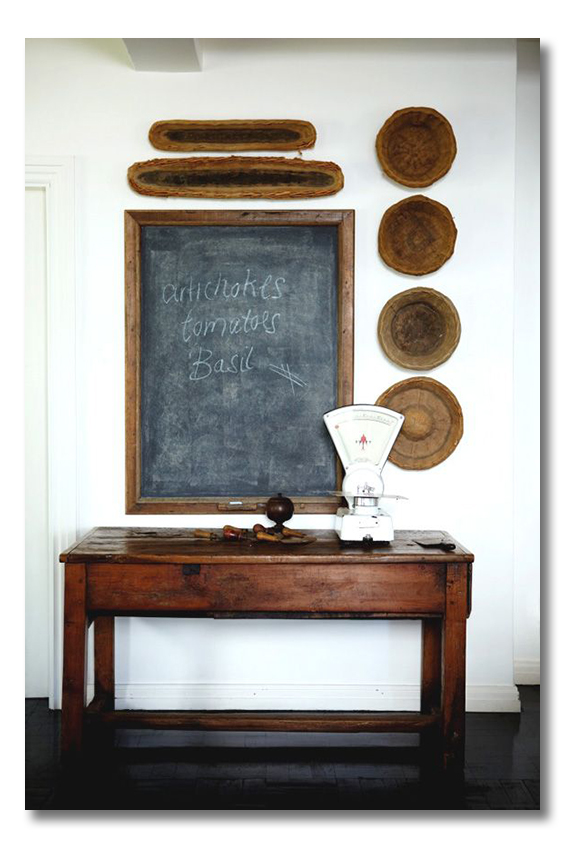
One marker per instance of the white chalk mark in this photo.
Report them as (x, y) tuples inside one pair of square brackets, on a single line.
[(284, 371)]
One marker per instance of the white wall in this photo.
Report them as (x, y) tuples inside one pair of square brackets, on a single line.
[(85, 100), (527, 367), (36, 466)]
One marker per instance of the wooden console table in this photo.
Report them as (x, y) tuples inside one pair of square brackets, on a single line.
[(166, 572)]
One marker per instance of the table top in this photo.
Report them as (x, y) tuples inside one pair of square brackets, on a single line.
[(177, 545)]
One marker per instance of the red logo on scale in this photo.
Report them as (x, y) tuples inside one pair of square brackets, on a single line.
[(363, 441)]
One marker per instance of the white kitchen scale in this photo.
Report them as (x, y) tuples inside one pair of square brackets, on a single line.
[(363, 436)]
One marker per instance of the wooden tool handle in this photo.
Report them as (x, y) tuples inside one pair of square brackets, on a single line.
[(266, 537), (289, 532), (297, 540), (202, 534), (231, 532)]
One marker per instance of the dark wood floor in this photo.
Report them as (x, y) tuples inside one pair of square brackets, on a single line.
[(176, 770)]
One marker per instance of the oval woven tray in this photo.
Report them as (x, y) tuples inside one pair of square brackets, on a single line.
[(433, 424), (419, 328), (232, 135), (417, 235), (236, 177), (416, 146)]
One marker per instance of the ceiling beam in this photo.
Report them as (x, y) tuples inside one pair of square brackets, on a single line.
[(173, 55)]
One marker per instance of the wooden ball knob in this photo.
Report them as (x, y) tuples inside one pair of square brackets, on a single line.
[(279, 509)]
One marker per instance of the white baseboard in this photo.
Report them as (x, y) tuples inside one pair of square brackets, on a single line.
[(492, 699), (526, 671), (394, 697)]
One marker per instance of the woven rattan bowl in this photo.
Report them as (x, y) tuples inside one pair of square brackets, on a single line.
[(419, 328), (416, 146), (416, 235), (433, 423)]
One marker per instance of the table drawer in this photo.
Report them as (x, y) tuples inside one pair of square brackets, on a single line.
[(390, 589)]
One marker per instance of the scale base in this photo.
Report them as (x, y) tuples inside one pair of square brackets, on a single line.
[(352, 527)]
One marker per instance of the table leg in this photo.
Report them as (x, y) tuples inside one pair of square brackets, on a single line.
[(431, 656), (104, 661), (454, 667), (430, 664), (74, 661)]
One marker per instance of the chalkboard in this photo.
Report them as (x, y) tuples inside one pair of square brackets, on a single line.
[(239, 338)]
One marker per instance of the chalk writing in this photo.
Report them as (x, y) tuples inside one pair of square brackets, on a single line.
[(212, 289), (284, 371), (247, 323), (215, 308), (202, 367)]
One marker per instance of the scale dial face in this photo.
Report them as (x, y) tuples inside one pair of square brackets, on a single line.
[(363, 433)]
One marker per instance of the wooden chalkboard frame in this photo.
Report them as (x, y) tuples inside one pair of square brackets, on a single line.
[(343, 220)]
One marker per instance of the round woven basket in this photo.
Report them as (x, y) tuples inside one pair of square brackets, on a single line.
[(419, 328), (433, 423), (416, 236), (416, 146)]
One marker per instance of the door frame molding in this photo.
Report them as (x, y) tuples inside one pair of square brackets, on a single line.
[(56, 176)]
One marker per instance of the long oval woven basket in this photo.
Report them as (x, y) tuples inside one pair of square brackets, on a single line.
[(232, 135), (236, 177)]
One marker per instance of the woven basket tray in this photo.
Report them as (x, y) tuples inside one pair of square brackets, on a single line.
[(419, 328), (417, 235), (416, 146), (433, 424), (236, 177), (232, 135)]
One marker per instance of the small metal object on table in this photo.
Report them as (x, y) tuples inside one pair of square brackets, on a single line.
[(168, 572), (437, 543)]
